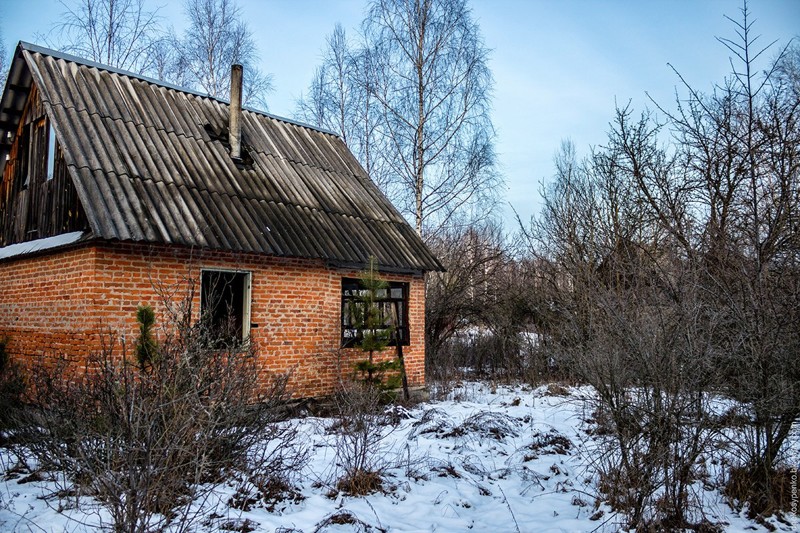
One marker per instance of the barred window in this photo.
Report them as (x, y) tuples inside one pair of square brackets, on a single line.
[(392, 303)]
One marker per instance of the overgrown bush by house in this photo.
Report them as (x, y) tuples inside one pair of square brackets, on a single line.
[(149, 442), (11, 389)]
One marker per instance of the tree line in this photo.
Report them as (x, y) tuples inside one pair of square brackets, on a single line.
[(663, 270), (125, 34)]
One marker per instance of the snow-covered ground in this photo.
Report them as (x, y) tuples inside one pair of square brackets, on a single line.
[(498, 459)]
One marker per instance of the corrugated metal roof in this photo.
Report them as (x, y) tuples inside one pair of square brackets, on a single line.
[(147, 169)]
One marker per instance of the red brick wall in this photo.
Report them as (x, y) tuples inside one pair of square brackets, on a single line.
[(45, 304), (68, 302)]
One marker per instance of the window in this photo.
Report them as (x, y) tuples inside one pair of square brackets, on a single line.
[(38, 152), (24, 156), (225, 304), (52, 152), (392, 304)]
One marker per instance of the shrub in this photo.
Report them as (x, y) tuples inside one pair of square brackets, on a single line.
[(360, 453), (765, 493), (11, 388), (151, 445), (146, 346)]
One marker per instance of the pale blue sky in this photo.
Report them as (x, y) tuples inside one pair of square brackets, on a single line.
[(559, 66)]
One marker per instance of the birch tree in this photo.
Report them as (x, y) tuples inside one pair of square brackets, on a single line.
[(339, 99), (432, 80), (216, 38), (411, 98), (118, 33)]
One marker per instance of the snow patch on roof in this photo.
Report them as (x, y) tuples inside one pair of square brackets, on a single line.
[(38, 245)]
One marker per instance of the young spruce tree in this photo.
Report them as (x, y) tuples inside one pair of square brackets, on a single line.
[(374, 336), (146, 346)]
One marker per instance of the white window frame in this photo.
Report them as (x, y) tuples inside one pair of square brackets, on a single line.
[(51, 151), (247, 297)]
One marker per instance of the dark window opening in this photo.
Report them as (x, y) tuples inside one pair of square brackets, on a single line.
[(225, 305), (24, 154), (37, 153), (392, 304)]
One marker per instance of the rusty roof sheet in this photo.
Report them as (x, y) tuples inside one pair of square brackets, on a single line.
[(148, 166)]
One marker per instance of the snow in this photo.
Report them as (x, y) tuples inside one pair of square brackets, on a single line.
[(39, 245), (500, 459)]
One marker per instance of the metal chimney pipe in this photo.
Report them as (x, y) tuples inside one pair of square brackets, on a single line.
[(235, 126)]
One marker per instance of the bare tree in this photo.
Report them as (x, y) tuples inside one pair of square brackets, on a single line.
[(332, 89), (743, 143), (733, 207), (340, 99), (3, 62), (675, 271), (216, 38), (169, 63), (431, 77), (628, 319), (461, 298), (119, 33)]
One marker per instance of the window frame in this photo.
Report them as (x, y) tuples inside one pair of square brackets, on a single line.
[(52, 152), (246, 296), (24, 156), (403, 329)]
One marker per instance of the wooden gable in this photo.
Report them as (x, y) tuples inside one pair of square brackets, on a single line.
[(37, 196)]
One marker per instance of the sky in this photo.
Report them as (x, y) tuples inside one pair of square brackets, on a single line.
[(559, 67)]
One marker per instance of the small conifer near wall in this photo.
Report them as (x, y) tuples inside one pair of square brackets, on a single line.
[(146, 345), (369, 318)]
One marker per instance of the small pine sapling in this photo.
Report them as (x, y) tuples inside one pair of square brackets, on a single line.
[(374, 335), (146, 346)]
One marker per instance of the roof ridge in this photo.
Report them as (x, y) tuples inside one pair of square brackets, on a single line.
[(31, 47)]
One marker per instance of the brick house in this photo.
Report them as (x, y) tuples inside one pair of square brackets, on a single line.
[(118, 191)]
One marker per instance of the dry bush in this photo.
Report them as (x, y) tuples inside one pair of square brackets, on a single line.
[(650, 377), (360, 427), (747, 485), (629, 320), (150, 445), (12, 388), (486, 425), (272, 468), (433, 421), (550, 443), (343, 517)]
